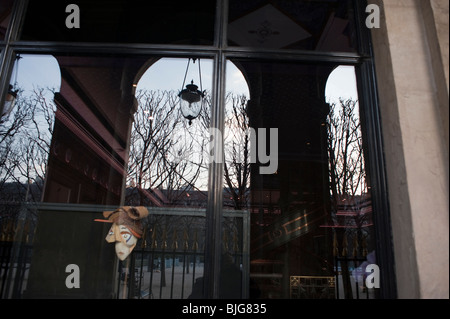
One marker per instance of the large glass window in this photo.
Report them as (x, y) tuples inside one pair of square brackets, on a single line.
[(159, 168)]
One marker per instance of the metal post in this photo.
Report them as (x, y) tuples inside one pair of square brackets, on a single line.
[(213, 236), (8, 56)]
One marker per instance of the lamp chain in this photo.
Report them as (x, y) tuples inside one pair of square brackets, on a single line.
[(185, 74)]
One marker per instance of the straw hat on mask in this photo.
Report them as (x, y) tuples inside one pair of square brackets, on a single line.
[(129, 216)]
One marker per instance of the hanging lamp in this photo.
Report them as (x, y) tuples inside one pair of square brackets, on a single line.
[(191, 98)]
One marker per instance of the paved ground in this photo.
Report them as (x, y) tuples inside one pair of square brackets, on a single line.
[(181, 288)]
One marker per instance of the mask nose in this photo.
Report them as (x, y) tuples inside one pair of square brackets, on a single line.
[(113, 234)]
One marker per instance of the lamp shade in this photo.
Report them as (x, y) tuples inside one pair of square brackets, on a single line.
[(191, 100)]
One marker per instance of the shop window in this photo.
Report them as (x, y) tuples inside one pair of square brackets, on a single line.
[(285, 196)]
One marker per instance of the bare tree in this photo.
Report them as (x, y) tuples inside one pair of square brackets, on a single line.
[(237, 148), (25, 143), (11, 126), (347, 177), (32, 150), (160, 164), (346, 160)]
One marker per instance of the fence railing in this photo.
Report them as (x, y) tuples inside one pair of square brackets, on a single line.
[(168, 261)]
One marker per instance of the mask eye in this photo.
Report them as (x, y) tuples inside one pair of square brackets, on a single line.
[(111, 232), (126, 236)]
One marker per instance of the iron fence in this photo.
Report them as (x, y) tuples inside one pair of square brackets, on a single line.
[(168, 261)]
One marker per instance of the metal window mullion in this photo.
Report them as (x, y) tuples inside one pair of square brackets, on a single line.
[(363, 36), (8, 54), (379, 190), (214, 212), (367, 87), (6, 66), (52, 47)]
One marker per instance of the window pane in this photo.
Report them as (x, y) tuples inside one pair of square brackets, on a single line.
[(89, 135), (294, 161), (158, 22), (295, 25)]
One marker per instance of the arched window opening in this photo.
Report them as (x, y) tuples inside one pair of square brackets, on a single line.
[(26, 130)]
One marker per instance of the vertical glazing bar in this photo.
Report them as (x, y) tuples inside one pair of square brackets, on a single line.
[(6, 65), (371, 119), (7, 57), (213, 241), (215, 178)]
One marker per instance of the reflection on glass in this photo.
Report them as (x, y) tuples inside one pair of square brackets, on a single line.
[(179, 160), (311, 221), (89, 132), (298, 25), (121, 21), (167, 153), (26, 130), (5, 16), (25, 137), (236, 144)]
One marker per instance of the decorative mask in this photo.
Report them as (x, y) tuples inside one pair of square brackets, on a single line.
[(126, 228)]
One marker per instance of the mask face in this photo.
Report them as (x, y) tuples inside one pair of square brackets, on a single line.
[(125, 240)]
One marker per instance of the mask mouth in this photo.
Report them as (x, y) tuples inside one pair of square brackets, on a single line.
[(122, 253)]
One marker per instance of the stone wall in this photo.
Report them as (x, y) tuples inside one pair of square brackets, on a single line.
[(411, 60)]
